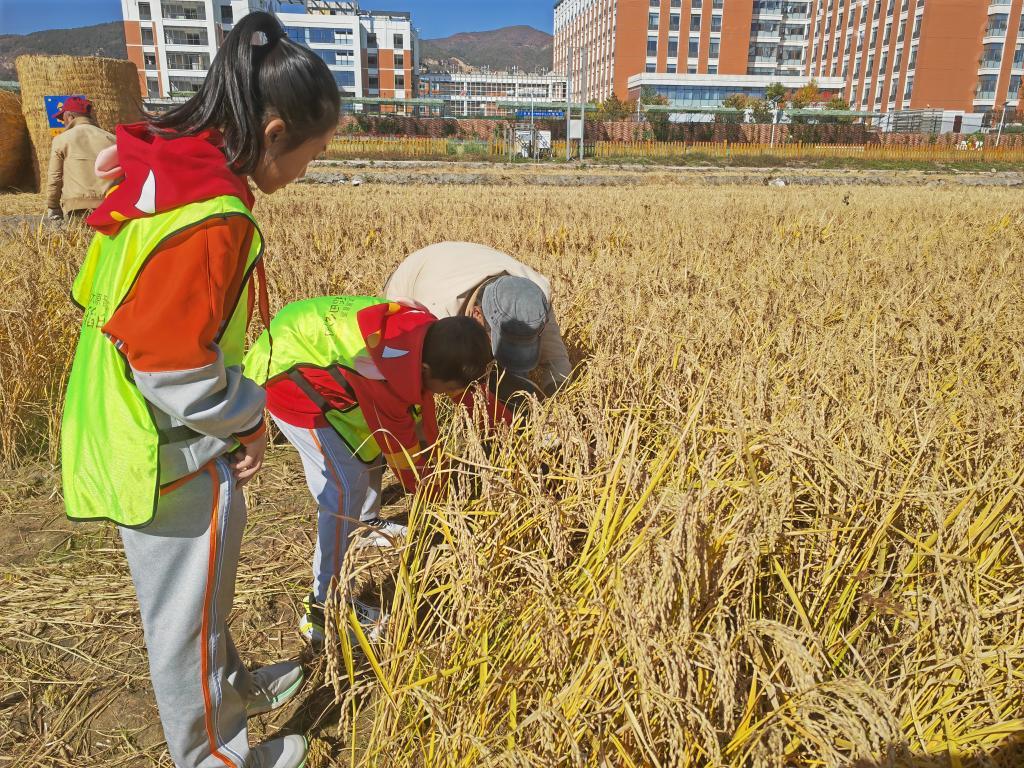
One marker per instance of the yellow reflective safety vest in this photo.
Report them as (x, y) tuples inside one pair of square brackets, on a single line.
[(319, 333), (110, 447)]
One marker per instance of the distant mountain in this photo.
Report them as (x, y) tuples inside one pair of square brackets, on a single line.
[(98, 40), (521, 47)]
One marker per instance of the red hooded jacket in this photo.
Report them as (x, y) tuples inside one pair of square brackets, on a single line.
[(394, 335), (160, 174)]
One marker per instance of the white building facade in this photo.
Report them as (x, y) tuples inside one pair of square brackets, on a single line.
[(372, 54), (486, 94)]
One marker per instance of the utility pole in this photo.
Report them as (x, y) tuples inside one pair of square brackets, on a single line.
[(568, 103), (584, 56), (1002, 121)]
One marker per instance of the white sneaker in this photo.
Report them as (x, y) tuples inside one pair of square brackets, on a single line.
[(271, 687), (382, 533), (286, 752), (371, 618)]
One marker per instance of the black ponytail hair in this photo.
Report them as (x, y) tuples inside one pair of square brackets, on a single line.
[(258, 73)]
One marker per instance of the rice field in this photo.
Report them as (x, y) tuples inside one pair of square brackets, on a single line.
[(776, 520)]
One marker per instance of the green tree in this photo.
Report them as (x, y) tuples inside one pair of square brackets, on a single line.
[(614, 108), (776, 92), (761, 111), (735, 101), (659, 121)]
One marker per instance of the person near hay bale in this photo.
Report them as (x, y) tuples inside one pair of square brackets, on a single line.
[(351, 383), (72, 186), (511, 301), (160, 427)]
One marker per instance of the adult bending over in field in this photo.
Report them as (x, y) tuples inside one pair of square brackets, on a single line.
[(72, 187), (345, 377), (160, 427), (511, 301)]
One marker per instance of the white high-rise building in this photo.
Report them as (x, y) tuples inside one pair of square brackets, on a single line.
[(372, 54)]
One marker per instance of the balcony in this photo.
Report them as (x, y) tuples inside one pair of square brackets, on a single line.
[(995, 64), (986, 95)]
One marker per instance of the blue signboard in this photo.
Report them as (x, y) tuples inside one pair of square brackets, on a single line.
[(541, 113), (53, 105)]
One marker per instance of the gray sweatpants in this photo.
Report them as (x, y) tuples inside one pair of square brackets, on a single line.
[(345, 489), (183, 565)]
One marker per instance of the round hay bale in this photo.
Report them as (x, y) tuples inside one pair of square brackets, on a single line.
[(112, 85), (15, 148)]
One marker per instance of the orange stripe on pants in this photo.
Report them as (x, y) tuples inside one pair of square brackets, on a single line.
[(205, 632)]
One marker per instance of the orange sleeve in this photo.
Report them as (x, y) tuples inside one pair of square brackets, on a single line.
[(173, 314), (393, 427)]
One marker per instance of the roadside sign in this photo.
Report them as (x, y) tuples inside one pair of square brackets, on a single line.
[(53, 105), (540, 113)]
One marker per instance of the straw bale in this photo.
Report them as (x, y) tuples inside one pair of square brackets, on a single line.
[(15, 148), (111, 84)]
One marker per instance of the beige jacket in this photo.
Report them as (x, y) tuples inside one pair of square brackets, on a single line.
[(71, 183), (442, 277)]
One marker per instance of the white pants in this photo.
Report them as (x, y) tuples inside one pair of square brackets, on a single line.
[(346, 490), (183, 565)]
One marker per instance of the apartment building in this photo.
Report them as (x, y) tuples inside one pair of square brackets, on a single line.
[(372, 54), (917, 54), (489, 94), (880, 55)]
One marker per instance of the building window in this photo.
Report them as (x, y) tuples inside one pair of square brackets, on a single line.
[(400, 82), (712, 69), (696, 3), (399, 61), (197, 61), (716, 23), (673, 22), (694, 48), (695, 22), (371, 40), (673, 48), (371, 61), (671, 69), (227, 15), (152, 87), (329, 57), (147, 36), (150, 59), (373, 83), (651, 67), (691, 70), (346, 79), (1013, 93), (910, 87), (1018, 55), (399, 42), (320, 35), (296, 34), (713, 49), (986, 87), (653, 20), (652, 46), (182, 36), (144, 13), (194, 11)]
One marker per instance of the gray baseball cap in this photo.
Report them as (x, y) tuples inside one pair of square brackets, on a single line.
[(516, 310)]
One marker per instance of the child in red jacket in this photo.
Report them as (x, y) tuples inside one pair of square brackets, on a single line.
[(351, 383)]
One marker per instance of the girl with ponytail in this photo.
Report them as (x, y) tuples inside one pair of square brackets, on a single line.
[(161, 427)]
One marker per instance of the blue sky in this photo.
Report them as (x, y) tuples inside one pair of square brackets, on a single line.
[(434, 18)]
